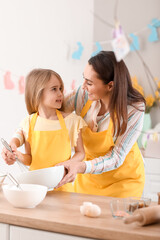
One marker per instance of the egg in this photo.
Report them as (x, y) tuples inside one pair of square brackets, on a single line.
[(90, 210)]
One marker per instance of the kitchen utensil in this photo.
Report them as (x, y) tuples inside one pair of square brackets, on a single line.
[(20, 164), (31, 196), (49, 177), (13, 180), (145, 216), (142, 201), (118, 208)]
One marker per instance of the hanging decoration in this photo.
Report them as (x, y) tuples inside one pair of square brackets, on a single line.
[(73, 84), (77, 54), (119, 43), (135, 43), (8, 83), (153, 37), (99, 48), (21, 85)]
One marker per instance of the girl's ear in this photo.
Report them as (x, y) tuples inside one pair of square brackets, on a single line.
[(110, 86)]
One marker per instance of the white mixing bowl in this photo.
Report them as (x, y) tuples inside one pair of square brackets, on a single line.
[(49, 177), (29, 197)]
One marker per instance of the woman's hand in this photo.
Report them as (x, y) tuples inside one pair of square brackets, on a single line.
[(71, 170)]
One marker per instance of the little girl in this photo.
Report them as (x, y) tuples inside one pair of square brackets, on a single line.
[(48, 133)]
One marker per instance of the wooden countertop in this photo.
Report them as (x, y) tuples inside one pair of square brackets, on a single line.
[(59, 212)]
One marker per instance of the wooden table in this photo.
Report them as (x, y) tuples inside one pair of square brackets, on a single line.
[(60, 212)]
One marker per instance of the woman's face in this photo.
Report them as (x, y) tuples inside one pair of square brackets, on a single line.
[(95, 87)]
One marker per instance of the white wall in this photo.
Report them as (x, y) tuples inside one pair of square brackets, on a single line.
[(134, 16), (43, 33), (40, 33)]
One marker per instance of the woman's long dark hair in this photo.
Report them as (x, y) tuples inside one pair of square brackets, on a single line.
[(123, 94)]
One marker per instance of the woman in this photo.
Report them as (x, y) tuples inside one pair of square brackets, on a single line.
[(114, 112)]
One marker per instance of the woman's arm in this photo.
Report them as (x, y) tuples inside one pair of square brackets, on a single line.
[(113, 159), (75, 100), (123, 144)]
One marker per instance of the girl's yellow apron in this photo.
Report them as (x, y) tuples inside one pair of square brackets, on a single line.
[(125, 181), (50, 147)]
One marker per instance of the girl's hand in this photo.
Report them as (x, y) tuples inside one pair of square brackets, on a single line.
[(9, 157), (71, 170)]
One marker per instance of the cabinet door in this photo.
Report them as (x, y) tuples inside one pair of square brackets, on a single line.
[(21, 233), (152, 182), (4, 231), (152, 186)]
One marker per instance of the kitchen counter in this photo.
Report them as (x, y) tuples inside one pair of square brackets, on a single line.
[(59, 212)]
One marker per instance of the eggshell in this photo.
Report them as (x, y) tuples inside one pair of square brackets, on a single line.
[(90, 210)]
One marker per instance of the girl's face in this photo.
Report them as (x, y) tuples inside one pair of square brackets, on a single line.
[(95, 87), (52, 96)]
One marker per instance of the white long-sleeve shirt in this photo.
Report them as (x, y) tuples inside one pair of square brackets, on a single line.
[(122, 144)]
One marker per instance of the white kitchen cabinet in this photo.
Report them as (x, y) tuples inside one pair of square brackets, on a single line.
[(22, 233), (152, 181), (4, 231)]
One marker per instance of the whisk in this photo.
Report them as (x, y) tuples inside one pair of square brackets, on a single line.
[(13, 180)]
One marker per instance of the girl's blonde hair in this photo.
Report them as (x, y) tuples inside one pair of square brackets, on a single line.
[(36, 81)]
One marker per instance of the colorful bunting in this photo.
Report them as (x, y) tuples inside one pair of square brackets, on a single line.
[(135, 43), (99, 48), (77, 54), (8, 83), (153, 37), (21, 85), (119, 43), (73, 84)]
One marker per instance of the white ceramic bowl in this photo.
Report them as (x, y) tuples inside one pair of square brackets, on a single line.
[(29, 197), (49, 177)]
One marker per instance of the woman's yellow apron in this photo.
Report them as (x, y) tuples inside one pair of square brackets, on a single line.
[(50, 147), (125, 181)]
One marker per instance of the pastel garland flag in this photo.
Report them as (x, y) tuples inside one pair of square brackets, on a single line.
[(135, 43), (77, 54), (99, 48), (119, 43), (8, 83), (21, 85), (153, 37)]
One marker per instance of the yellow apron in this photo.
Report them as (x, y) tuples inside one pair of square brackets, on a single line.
[(50, 147), (125, 181)]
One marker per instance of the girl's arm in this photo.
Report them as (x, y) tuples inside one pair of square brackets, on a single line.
[(77, 158), (79, 150), (18, 140), (25, 158)]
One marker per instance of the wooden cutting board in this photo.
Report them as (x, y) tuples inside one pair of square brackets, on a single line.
[(60, 212)]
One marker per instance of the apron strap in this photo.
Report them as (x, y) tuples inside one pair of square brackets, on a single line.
[(61, 120), (31, 126), (86, 108)]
